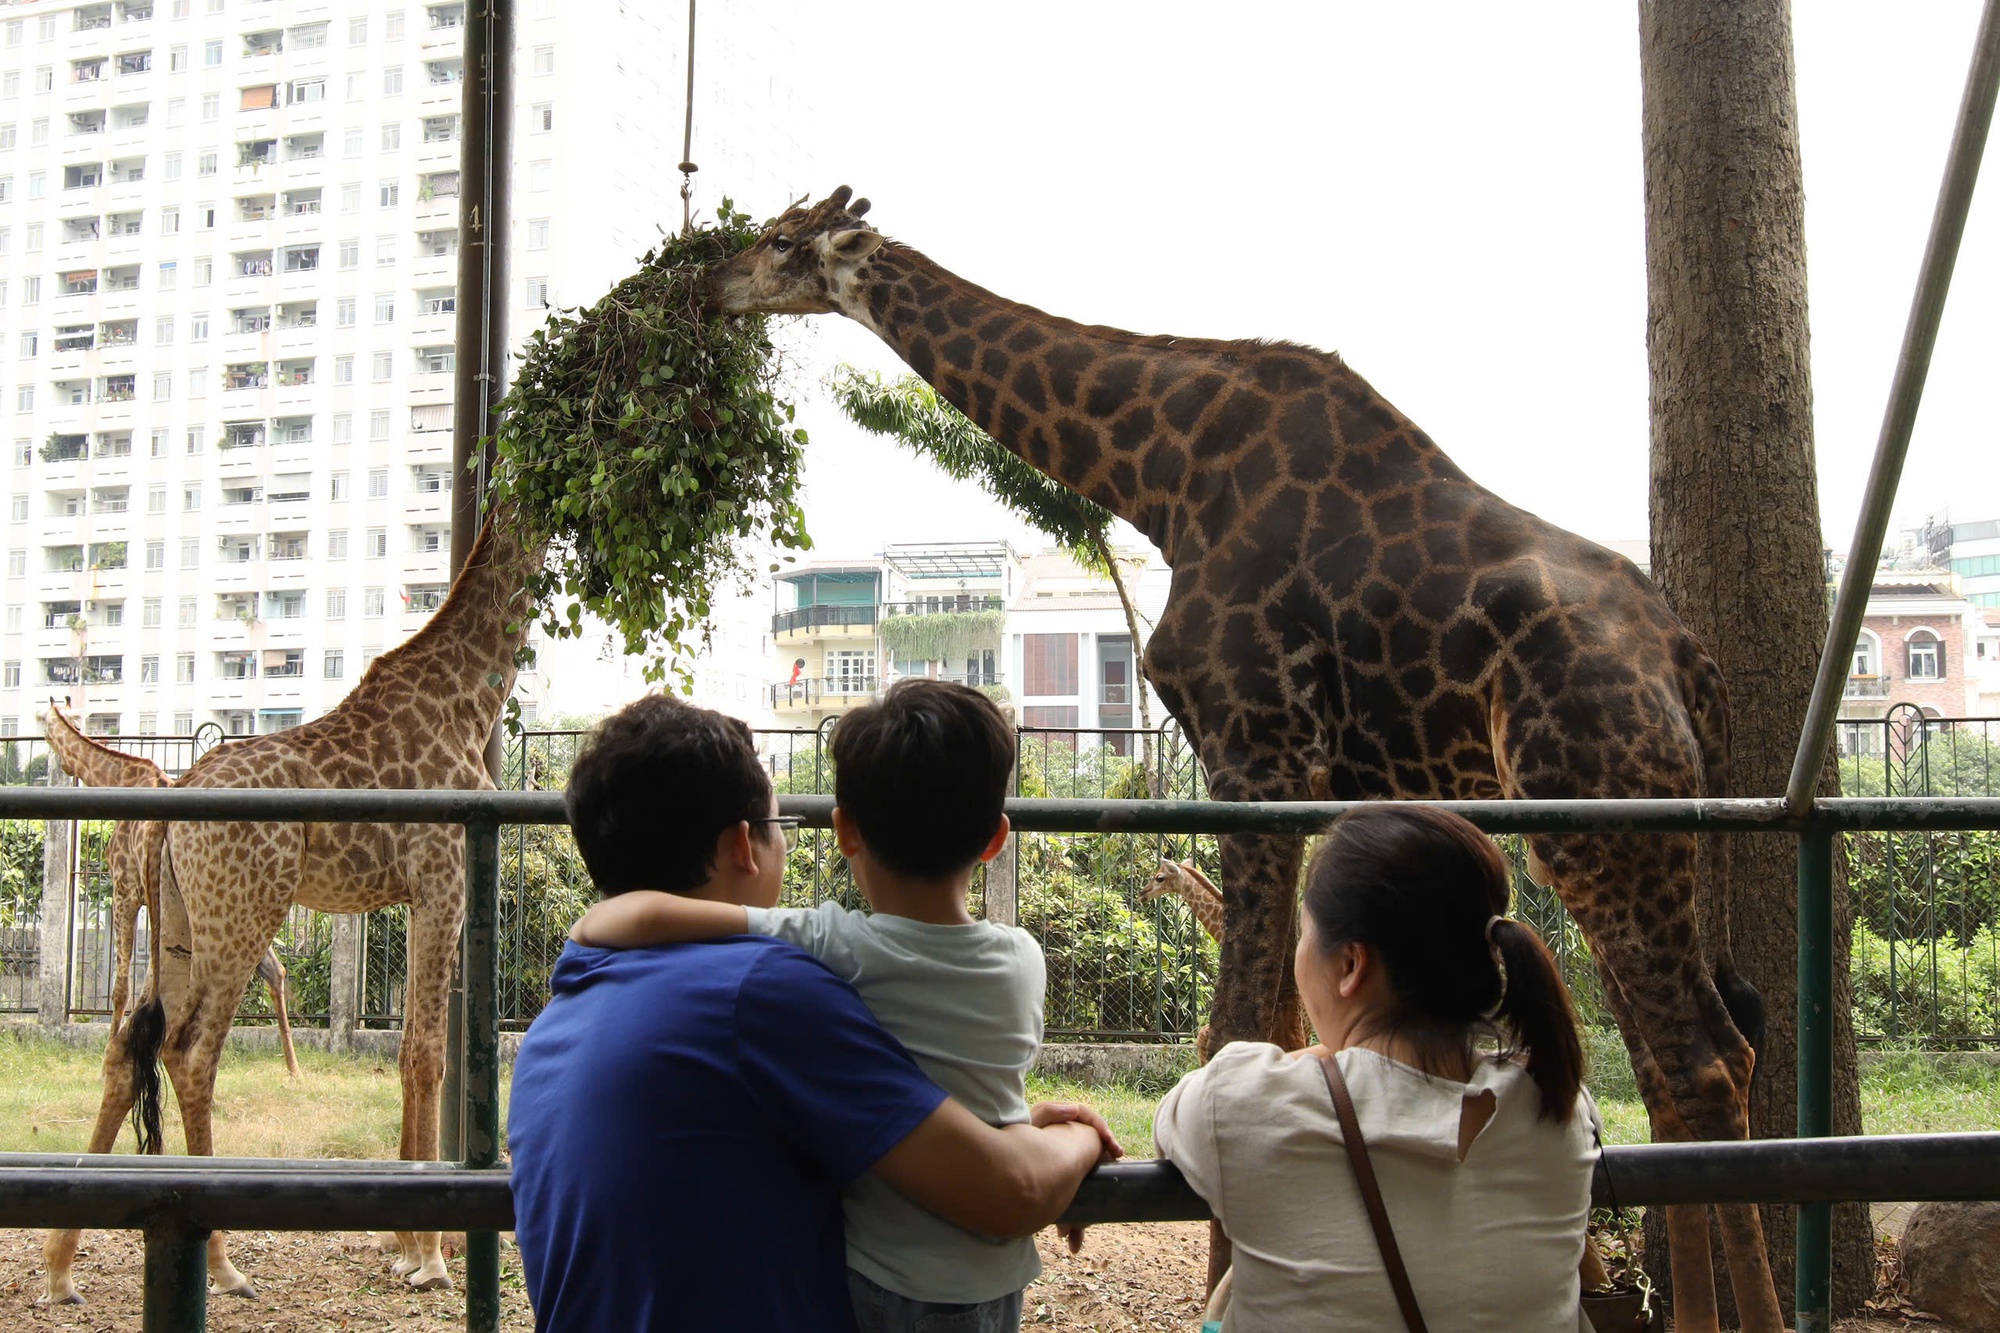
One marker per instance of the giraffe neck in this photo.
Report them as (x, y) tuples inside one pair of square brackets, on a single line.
[(97, 765), (1204, 900), (1097, 409), (470, 643)]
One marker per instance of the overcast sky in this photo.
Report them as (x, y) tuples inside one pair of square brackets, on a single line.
[(1448, 194)]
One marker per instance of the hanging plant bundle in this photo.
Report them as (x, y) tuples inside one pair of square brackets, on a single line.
[(647, 440)]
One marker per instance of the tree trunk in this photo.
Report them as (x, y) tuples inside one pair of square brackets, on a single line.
[(1735, 507), (1138, 682)]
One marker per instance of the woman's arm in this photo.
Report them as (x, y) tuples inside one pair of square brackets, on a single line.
[(645, 917)]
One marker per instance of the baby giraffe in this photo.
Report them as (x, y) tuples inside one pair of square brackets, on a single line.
[(1205, 901)]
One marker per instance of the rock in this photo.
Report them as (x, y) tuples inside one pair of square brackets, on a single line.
[(1951, 1263)]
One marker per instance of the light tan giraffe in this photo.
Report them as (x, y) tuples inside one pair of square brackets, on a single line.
[(1347, 599), (131, 857), (419, 718), (1185, 880)]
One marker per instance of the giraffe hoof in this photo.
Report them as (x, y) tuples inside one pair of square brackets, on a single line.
[(245, 1288), (68, 1295), (439, 1281)]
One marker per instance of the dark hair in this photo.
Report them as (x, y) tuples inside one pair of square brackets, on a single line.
[(1418, 886), (922, 772), (655, 785)]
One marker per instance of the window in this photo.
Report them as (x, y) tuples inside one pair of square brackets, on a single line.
[(392, 27), (343, 370), (1926, 656), (190, 552), (378, 478), (30, 341), (541, 118), (17, 564), (169, 276), (376, 544), (337, 486), (211, 53), (387, 194), (32, 238), (156, 554), (353, 142), (336, 549), (170, 222), (336, 664), (196, 437), (170, 169), (204, 269), (156, 498), (385, 307), (163, 385), (350, 253), (190, 498), (159, 448), (541, 175), (357, 31), (18, 509), (382, 365), (392, 81), (545, 60), (204, 165), (24, 398), (538, 233), (371, 603), (378, 429), (392, 138), (211, 106), (343, 312), (536, 293), (10, 83), (1049, 664), (435, 360), (1865, 655), (177, 59), (149, 614), (343, 428), (184, 669)]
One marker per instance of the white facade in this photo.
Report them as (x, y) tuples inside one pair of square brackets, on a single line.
[(228, 235)]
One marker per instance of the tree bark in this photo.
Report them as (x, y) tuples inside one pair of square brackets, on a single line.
[(1736, 541)]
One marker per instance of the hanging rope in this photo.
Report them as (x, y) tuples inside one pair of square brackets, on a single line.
[(688, 168)]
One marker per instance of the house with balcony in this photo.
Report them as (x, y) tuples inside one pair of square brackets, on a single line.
[(1922, 642)]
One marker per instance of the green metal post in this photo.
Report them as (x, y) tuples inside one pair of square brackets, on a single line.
[(176, 1299), (482, 1059), (1813, 1289)]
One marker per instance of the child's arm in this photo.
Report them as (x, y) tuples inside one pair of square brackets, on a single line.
[(645, 917)]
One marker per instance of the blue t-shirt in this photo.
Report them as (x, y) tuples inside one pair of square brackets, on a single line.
[(683, 1121)]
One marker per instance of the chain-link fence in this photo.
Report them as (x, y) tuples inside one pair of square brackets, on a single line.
[(1927, 905)]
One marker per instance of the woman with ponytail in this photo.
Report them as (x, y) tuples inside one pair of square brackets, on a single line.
[(1448, 1022)]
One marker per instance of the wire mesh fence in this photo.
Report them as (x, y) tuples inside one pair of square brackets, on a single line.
[(1926, 964)]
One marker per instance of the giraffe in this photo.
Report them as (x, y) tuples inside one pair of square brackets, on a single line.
[(134, 882), (1185, 880), (418, 718), (1345, 598)]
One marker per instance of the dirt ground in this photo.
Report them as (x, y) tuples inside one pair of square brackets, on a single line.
[(1140, 1277)]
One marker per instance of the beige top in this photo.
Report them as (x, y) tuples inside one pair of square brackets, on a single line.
[(1491, 1242)]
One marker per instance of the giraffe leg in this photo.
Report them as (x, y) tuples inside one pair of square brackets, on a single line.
[(433, 945), (192, 1054), (1633, 896), (59, 1248), (127, 896), (273, 973)]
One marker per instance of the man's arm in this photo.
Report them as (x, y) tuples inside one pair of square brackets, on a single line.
[(1003, 1182), (646, 917)]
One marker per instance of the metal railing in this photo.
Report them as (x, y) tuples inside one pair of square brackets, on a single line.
[(176, 1205), (820, 617)]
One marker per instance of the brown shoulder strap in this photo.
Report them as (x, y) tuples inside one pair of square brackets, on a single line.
[(1371, 1194)]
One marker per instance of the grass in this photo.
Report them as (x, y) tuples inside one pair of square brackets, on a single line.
[(350, 1106)]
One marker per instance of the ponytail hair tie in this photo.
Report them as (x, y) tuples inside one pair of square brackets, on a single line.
[(1492, 1011)]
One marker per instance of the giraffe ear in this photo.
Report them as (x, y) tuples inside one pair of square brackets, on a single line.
[(1168, 863), (1187, 865), (855, 244)]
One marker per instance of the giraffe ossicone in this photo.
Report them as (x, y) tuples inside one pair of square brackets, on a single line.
[(1351, 616)]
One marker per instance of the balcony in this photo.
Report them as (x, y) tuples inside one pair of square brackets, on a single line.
[(818, 692), (1866, 687), (808, 618)]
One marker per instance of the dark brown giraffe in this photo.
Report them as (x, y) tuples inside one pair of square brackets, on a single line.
[(1349, 609)]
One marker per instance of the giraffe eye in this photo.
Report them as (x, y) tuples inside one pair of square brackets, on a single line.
[(781, 244)]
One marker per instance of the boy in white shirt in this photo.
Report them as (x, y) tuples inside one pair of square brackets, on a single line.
[(920, 787)]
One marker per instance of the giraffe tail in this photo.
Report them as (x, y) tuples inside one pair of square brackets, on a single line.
[(142, 1047), (1707, 699)]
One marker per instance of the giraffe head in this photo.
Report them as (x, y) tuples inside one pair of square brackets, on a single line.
[(803, 265), (1166, 881)]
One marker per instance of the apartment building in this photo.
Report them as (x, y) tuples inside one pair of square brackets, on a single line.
[(228, 263), (1036, 630)]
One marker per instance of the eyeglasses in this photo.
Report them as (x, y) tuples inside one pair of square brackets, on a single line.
[(788, 825)]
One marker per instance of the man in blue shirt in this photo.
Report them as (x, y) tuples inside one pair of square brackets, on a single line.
[(684, 1118)]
